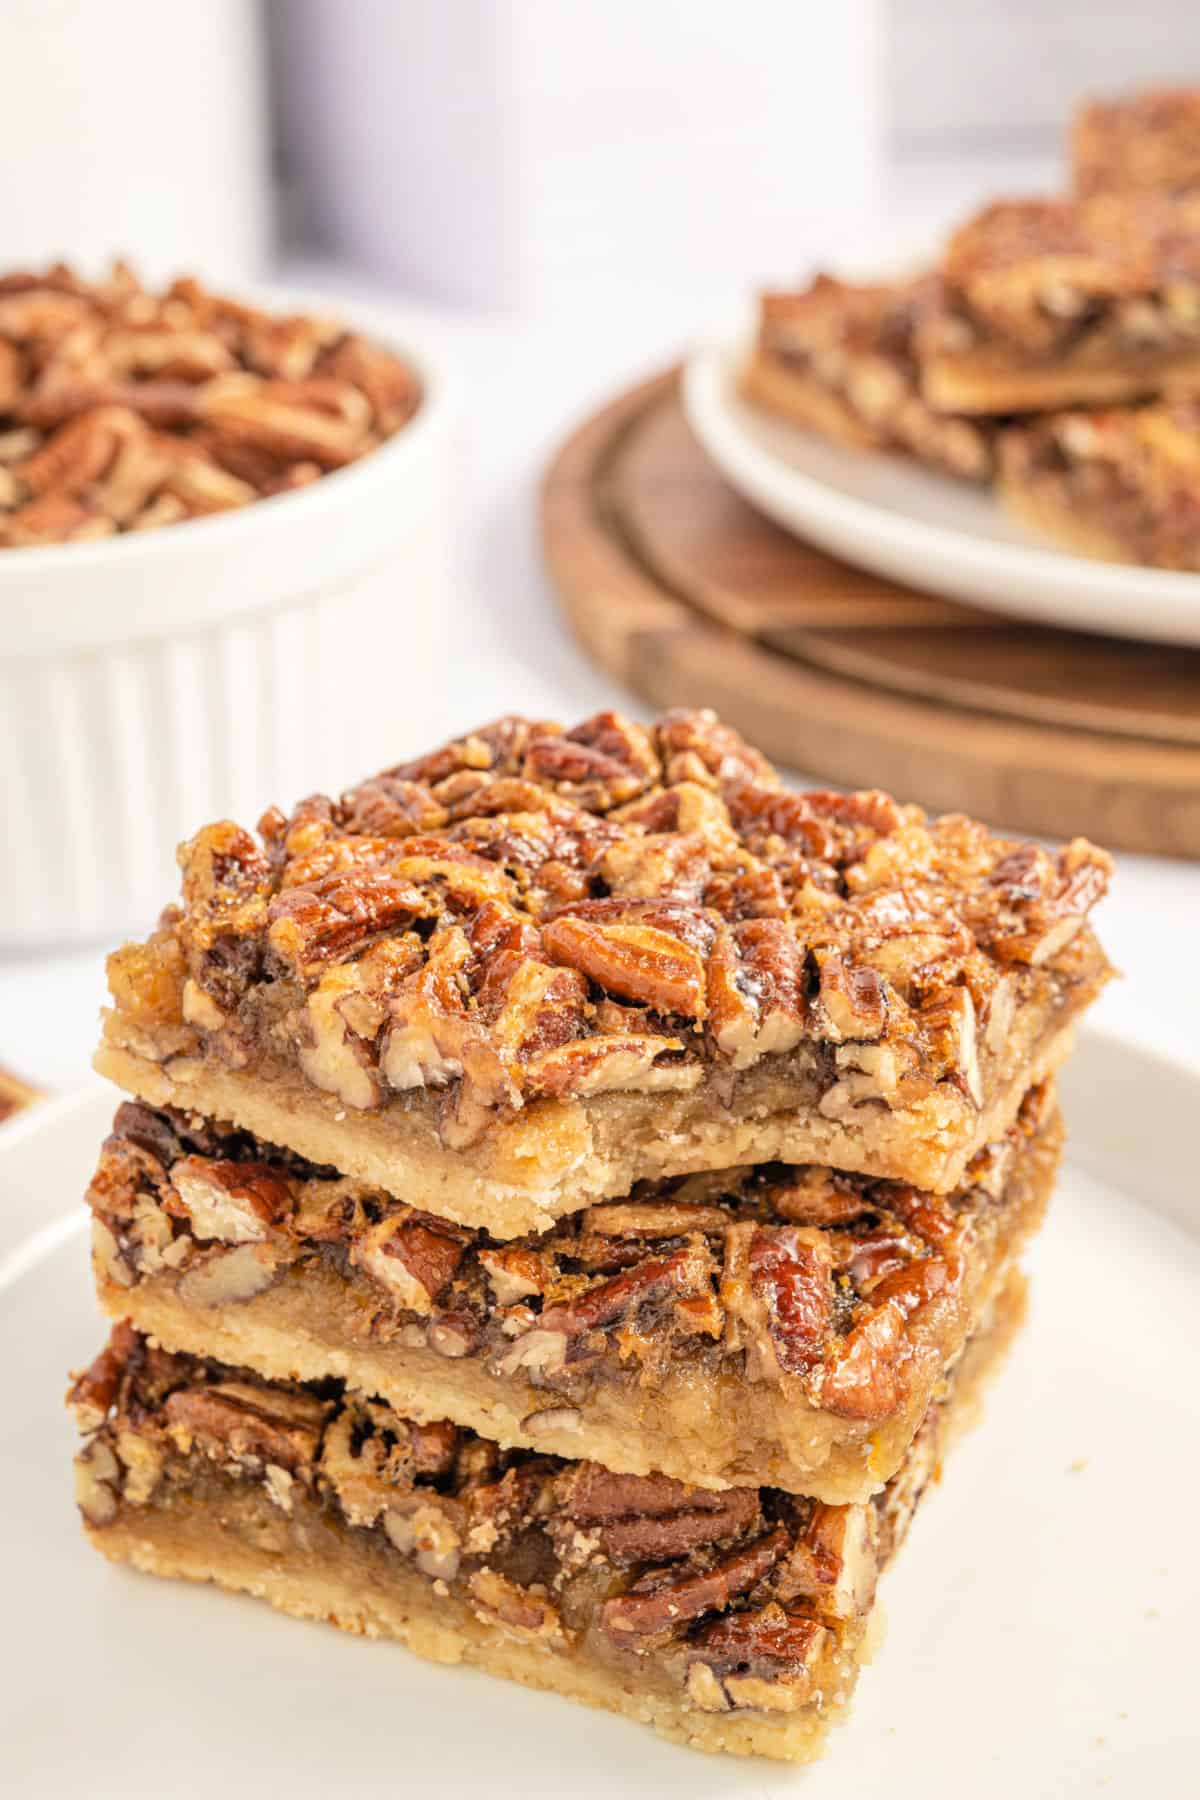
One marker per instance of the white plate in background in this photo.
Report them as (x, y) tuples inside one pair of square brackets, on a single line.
[(890, 515), (1042, 1615)]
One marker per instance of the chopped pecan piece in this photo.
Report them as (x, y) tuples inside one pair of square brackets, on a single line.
[(765, 1659), (414, 1257), (234, 1202), (599, 1065), (778, 1295), (370, 1456), (98, 1483), (834, 1563), (514, 1272), (948, 1021), (851, 1003), (1044, 899), (646, 1518), (94, 1391), (603, 762), (427, 1529), (756, 1002), (226, 1277), (240, 1421), (525, 1611), (664, 1600), (868, 1375)]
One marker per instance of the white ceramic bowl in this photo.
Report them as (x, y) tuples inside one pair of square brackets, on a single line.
[(151, 682)]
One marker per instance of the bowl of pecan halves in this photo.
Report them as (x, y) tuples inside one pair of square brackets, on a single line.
[(225, 534)]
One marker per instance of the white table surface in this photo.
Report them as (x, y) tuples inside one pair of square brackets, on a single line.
[(526, 381)]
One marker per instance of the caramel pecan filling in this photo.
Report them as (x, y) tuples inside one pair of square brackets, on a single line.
[(122, 409), (1047, 279), (537, 913), (744, 1597), (1132, 472), (843, 1290)]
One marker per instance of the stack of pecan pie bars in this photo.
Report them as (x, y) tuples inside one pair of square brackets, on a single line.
[(571, 1188), (1053, 349)]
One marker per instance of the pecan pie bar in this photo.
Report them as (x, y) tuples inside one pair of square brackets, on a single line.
[(1123, 484), (784, 1325), (1055, 303), (730, 1621), (839, 359), (513, 977), (1146, 140)]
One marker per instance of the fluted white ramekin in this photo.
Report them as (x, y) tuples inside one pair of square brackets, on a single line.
[(152, 682)]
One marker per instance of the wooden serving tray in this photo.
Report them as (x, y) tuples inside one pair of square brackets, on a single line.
[(691, 598)]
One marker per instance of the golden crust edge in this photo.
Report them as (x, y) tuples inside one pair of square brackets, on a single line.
[(371, 1612), (981, 383), (1052, 519), (926, 1154), (803, 401), (840, 1467)]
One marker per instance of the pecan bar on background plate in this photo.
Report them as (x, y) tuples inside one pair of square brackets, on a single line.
[(731, 1621), (1055, 303), (1123, 485), (1148, 140), (838, 359), (512, 978), (783, 1326)]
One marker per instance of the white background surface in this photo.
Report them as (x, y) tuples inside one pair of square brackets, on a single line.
[(526, 384)]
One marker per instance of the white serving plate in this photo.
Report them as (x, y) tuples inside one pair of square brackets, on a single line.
[(897, 519), (1042, 1616)]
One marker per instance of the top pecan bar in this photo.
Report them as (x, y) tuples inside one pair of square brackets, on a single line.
[(518, 974), (838, 357), (1051, 303), (1145, 140)]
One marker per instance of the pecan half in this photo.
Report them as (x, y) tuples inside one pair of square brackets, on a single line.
[(766, 1659), (664, 1600), (777, 1291), (756, 1002), (644, 1518), (238, 1422), (635, 960), (414, 1257)]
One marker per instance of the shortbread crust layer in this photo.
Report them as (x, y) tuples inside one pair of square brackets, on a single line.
[(731, 1623), (554, 1158), (779, 1326)]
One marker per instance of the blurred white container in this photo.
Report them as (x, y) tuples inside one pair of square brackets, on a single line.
[(127, 128), (521, 152), (152, 682)]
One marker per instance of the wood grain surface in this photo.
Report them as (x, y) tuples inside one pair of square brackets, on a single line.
[(685, 594)]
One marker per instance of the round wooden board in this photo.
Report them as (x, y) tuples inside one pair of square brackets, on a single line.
[(689, 597)]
